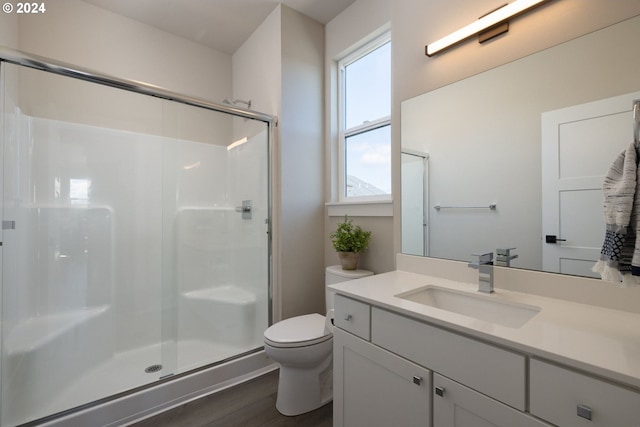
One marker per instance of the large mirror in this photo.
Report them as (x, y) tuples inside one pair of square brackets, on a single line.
[(507, 157)]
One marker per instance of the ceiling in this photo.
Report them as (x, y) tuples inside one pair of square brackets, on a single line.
[(220, 24)]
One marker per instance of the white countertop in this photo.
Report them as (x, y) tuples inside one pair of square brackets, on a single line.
[(602, 341)]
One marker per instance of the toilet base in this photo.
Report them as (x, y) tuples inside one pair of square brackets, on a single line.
[(303, 390)]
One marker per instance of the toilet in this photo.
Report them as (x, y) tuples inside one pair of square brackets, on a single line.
[(303, 347)]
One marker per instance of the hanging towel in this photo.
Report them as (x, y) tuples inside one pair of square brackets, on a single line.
[(620, 256)]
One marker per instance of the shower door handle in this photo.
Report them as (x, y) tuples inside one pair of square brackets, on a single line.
[(245, 209), (8, 225)]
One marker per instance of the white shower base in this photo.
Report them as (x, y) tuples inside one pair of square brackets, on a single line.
[(54, 373), (131, 408), (126, 371)]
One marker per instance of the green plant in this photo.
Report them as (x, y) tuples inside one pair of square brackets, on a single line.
[(349, 237)]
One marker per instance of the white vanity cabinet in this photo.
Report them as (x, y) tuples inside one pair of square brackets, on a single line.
[(572, 399), (391, 369)]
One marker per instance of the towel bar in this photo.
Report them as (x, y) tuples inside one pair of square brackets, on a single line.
[(492, 206)]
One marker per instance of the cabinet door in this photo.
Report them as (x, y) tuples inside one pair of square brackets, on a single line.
[(373, 387), (455, 405)]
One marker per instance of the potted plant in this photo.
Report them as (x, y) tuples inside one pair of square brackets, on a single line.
[(349, 241)]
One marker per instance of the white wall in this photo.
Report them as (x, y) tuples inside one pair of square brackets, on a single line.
[(301, 167), (416, 23), (9, 30), (363, 20), (257, 68), (79, 33), (280, 67)]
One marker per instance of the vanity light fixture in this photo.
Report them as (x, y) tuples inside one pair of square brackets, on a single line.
[(486, 22)]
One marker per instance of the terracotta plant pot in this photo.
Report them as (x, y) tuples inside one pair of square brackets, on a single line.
[(349, 260)]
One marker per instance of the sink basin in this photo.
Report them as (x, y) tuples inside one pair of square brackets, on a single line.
[(479, 306)]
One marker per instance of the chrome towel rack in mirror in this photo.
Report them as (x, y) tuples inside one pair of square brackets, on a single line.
[(636, 121), (492, 207)]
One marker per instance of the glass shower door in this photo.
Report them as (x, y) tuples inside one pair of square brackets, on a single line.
[(81, 186), (216, 242), (135, 241)]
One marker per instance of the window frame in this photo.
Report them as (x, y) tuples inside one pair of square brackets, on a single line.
[(344, 134)]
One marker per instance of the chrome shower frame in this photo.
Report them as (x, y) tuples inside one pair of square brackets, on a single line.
[(247, 359)]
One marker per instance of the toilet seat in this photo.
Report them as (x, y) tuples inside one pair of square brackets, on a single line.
[(299, 331)]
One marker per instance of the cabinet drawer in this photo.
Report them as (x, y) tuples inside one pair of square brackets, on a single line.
[(485, 368), (352, 316), (558, 395)]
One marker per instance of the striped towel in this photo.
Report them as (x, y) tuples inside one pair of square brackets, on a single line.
[(620, 256)]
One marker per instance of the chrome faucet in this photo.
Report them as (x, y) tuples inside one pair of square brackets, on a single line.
[(484, 265), (504, 257)]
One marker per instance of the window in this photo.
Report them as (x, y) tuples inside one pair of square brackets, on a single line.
[(79, 190), (365, 123)]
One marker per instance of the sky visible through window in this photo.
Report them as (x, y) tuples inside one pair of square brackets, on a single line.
[(369, 162), (367, 99)]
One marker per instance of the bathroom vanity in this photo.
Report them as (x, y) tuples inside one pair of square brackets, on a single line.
[(405, 355)]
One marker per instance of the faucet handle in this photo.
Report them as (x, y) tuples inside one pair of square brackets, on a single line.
[(504, 252), (504, 257), (484, 257)]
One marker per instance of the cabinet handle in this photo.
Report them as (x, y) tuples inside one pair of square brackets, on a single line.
[(348, 317), (584, 412), (439, 391), (417, 380)]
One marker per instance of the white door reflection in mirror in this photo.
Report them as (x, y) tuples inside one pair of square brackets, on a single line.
[(579, 143), (415, 234)]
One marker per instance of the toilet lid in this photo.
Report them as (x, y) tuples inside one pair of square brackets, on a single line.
[(297, 331)]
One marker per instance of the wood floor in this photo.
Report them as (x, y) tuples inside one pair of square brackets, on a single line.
[(252, 404)]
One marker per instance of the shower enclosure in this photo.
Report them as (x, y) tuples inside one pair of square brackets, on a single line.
[(135, 236)]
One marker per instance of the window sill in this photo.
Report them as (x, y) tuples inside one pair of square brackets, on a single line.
[(370, 208)]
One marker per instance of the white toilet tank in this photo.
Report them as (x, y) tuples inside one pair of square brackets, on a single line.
[(335, 274)]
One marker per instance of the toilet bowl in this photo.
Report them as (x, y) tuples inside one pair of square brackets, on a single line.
[(303, 347)]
